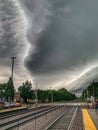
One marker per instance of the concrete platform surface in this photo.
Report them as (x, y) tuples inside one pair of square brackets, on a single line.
[(94, 117), (12, 109)]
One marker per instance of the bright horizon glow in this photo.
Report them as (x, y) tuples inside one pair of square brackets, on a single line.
[(81, 74)]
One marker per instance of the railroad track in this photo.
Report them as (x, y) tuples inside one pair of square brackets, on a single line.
[(71, 119), (13, 113), (20, 119)]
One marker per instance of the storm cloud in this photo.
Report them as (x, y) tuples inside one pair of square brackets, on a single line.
[(12, 39), (67, 40), (62, 36)]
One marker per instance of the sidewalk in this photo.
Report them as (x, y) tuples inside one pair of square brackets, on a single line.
[(94, 117)]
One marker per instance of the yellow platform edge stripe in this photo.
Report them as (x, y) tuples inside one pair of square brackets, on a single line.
[(88, 123)]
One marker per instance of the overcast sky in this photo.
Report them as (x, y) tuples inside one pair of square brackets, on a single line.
[(55, 42)]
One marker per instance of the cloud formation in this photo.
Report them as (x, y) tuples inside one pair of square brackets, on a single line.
[(12, 39), (68, 39), (62, 36)]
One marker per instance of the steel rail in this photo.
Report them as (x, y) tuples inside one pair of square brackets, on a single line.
[(71, 122), (20, 121), (53, 123), (8, 114)]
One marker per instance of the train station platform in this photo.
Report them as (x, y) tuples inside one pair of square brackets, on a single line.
[(90, 119), (12, 110), (94, 117)]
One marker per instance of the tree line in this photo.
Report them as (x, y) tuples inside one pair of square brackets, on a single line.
[(26, 91), (91, 90)]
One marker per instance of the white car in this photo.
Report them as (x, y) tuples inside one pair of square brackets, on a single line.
[(7, 104)]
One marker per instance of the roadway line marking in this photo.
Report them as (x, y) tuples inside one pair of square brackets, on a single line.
[(88, 123)]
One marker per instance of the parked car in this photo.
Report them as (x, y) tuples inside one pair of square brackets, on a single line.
[(13, 104), (18, 104), (7, 104)]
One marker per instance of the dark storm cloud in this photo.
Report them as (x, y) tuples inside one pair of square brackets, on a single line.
[(62, 35), (11, 41), (68, 40)]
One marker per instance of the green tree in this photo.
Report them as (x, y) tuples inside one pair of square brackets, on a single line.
[(58, 95), (43, 95), (26, 91), (2, 90), (9, 90), (91, 90), (63, 95)]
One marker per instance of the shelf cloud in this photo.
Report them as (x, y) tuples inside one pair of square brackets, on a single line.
[(57, 40)]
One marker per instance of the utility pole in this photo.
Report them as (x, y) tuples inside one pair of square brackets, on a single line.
[(51, 94), (11, 96), (93, 92), (13, 59), (84, 97), (87, 93), (36, 89)]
